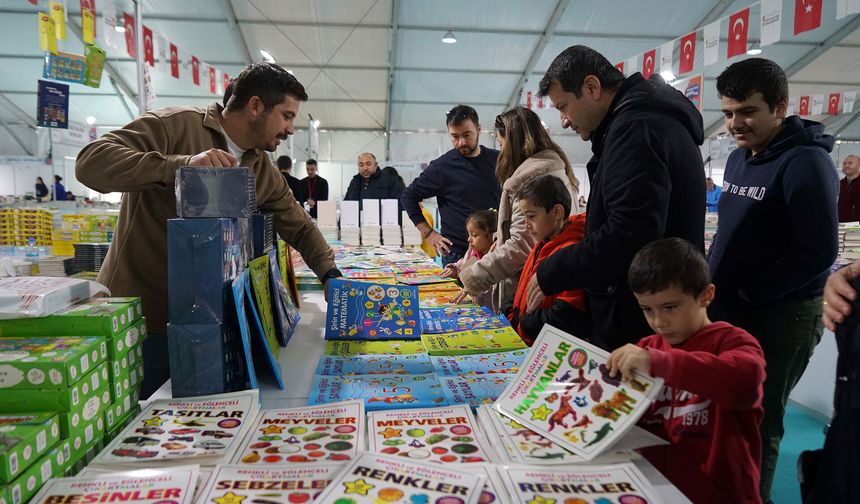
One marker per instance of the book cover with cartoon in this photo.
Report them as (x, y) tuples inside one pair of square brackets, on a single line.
[(455, 311), (346, 348), (463, 323), (474, 390), (446, 435), (478, 341), (371, 311), (373, 479), (564, 392), (607, 483), (379, 391), (333, 365), (156, 486), (330, 433), (479, 364), (275, 484), (205, 430)]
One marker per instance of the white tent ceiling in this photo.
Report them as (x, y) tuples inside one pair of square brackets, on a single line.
[(380, 65)]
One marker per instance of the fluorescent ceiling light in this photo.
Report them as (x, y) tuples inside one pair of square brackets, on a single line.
[(91, 120), (449, 38), (754, 50), (266, 56), (120, 28), (667, 75)]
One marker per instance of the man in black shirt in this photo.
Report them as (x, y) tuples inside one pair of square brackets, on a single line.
[(285, 166), (371, 183), (463, 180), (313, 188)]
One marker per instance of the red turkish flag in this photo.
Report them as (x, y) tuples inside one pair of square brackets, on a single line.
[(738, 28), (688, 53), (540, 102), (226, 80), (130, 46), (174, 61), (529, 100), (833, 103), (648, 63), (803, 108), (807, 15), (213, 86), (620, 66), (89, 5), (148, 54), (195, 70)]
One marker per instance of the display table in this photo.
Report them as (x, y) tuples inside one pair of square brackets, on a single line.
[(299, 361)]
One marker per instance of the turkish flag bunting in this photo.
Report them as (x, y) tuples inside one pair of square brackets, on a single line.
[(195, 70), (688, 53), (540, 102), (804, 106), (148, 53), (738, 27), (833, 103), (130, 47), (648, 63), (807, 15), (213, 85), (226, 81), (620, 66), (174, 61)]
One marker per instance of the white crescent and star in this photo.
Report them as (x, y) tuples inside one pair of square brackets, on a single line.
[(649, 61), (687, 44), (735, 27)]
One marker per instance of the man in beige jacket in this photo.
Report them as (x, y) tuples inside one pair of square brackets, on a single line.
[(140, 160)]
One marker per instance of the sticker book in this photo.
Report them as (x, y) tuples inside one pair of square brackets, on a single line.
[(621, 483), (373, 478), (462, 323), (564, 392), (333, 365), (446, 435), (379, 391), (275, 484), (479, 364), (175, 485), (474, 390), (473, 342), (329, 433), (347, 348), (371, 311)]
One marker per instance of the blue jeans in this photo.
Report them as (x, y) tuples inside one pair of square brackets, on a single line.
[(453, 255)]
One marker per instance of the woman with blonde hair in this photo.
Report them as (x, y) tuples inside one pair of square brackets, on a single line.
[(527, 152)]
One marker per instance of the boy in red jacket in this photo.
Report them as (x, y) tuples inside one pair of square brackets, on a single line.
[(710, 406), (545, 204)]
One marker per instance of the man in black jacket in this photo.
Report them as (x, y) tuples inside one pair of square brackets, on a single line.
[(371, 183), (313, 188), (285, 166), (647, 183)]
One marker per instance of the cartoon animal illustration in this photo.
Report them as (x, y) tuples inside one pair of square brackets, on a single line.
[(637, 385), (551, 399), (398, 399), (581, 381), (591, 365), (580, 401), (527, 434), (604, 373), (583, 422), (600, 434), (564, 409), (566, 376), (571, 436), (596, 391), (612, 408)]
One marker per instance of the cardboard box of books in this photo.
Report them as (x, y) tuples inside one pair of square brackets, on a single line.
[(122, 385), (31, 480), (83, 439), (48, 363), (129, 340), (24, 438), (98, 316)]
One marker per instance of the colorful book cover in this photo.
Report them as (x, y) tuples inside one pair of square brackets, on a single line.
[(286, 313), (423, 278), (478, 341), (379, 391), (205, 430), (564, 392), (203, 473), (371, 311), (474, 390), (346, 348), (465, 323), (375, 273), (258, 272), (373, 479), (332, 365), (288, 273), (455, 311), (439, 299), (275, 484), (446, 435), (330, 433), (269, 346), (521, 444), (238, 287), (494, 490), (174, 485), (621, 483), (479, 364)]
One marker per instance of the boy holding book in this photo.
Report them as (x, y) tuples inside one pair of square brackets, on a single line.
[(710, 407), (545, 203)]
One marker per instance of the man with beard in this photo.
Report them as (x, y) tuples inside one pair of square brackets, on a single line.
[(313, 188), (463, 180), (141, 159)]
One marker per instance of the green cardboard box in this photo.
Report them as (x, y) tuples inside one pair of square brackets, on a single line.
[(30, 481), (23, 439), (82, 441), (80, 403), (99, 316), (121, 423), (122, 386), (48, 363), (127, 341)]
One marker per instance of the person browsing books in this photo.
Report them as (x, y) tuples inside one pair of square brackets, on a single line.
[(480, 226), (711, 403), (545, 204)]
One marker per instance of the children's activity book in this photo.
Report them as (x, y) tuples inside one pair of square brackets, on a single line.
[(479, 364), (175, 485), (621, 483), (565, 393), (333, 365), (273, 484), (330, 433), (371, 311), (479, 341), (462, 323), (387, 391)]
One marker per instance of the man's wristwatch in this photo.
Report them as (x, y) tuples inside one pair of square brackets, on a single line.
[(425, 235)]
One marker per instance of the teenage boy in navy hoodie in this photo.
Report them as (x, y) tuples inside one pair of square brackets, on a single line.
[(777, 234)]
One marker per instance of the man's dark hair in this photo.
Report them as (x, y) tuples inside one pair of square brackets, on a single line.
[(310, 161), (546, 192), (390, 170), (284, 162), (667, 263), (459, 114), (755, 75), (267, 81), (228, 92), (573, 65)]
